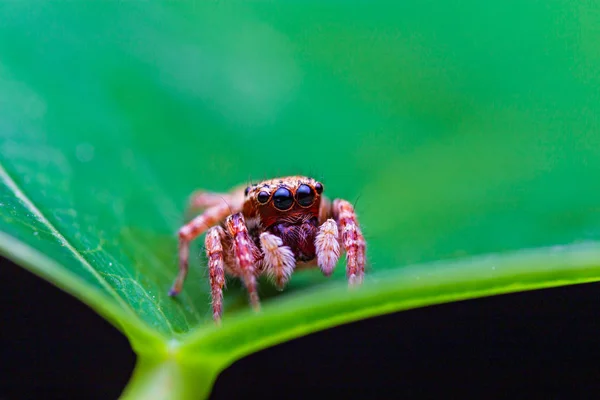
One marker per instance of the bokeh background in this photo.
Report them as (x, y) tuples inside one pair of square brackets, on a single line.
[(457, 128)]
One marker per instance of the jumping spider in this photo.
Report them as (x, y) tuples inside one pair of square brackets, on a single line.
[(272, 228)]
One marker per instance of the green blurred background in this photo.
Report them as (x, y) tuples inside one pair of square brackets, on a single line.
[(457, 129)]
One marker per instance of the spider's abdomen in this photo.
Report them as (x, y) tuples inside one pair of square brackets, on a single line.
[(300, 237)]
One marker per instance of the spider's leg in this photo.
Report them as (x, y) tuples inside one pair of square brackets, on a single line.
[(214, 253), (189, 232), (352, 240), (202, 199), (279, 260), (327, 246), (246, 254)]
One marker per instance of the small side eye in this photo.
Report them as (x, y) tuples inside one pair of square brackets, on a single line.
[(262, 197), (283, 199), (246, 191), (319, 187), (304, 195)]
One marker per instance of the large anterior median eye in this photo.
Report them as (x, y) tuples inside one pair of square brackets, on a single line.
[(282, 199), (305, 195)]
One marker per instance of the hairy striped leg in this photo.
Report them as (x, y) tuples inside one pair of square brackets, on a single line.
[(279, 260), (246, 255), (202, 199), (189, 232), (216, 271), (352, 240), (327, 246)]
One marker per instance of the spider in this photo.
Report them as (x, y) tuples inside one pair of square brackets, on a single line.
[(272, 228)]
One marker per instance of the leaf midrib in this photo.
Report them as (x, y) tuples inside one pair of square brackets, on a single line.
[(21, 196)]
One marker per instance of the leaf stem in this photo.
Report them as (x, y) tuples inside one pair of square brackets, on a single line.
[(171, 376)]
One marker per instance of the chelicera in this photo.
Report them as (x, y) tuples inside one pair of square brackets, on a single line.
[(273, 227)]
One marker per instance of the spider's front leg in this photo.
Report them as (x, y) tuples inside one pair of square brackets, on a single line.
[(246, 255), (189, 232), (352, 240), (215, 238)]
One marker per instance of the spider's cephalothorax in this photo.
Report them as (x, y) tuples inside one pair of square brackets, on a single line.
[(271, 228)]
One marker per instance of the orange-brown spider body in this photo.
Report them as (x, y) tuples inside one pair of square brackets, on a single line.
[(272, 228)]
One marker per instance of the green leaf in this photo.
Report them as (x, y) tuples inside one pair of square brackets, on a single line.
[(467, 135)]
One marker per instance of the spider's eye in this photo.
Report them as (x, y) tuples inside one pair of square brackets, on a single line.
[(246, 191), (262, 197), (283, 199), (319, 187), (304, 195)]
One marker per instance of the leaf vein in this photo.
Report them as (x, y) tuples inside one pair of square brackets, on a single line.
[(20, 195)]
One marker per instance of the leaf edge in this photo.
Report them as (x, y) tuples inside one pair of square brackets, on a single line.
[(140, 335), (553, 266)]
